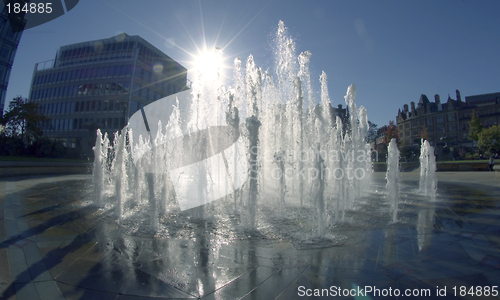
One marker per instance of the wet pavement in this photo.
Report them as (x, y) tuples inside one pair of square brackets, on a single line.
[(55, 245)]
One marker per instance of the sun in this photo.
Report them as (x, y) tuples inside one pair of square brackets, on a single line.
[(209, 65)]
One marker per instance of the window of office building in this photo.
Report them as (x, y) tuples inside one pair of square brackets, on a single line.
[(104, 72), (111, 87), (6, 50), (126, 87), (123, 70), (119, 89), (134, 106), (138, 72), (136, 89), (110, 71), (146, 75)]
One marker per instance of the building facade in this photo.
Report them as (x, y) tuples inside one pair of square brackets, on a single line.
[(100, 84), (11, 29), (446, 123)]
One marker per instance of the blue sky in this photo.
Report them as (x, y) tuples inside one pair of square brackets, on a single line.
[(393, 51)]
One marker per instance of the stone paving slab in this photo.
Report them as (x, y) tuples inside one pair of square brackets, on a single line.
[(54, 247)]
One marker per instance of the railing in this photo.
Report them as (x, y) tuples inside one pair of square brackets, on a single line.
[(45, 65)]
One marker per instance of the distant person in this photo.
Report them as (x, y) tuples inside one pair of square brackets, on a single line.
[(491, 163)]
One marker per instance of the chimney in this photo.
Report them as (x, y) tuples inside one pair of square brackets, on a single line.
[(436, 99), (405, 108), (412, 107)]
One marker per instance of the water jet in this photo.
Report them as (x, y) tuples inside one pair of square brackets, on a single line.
[(239, 151)]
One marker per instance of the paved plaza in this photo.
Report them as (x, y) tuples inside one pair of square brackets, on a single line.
[(53, 245)]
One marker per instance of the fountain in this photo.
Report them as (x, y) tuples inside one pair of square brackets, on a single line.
[(242, 151), (99, 168), (428, 179), (392, 178)]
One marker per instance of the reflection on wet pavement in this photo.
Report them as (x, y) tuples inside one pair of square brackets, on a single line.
[(56, 244)]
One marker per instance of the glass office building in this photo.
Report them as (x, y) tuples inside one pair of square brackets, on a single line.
[(9, 40), (100, 84)]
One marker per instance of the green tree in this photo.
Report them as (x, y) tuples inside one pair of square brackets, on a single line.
[(372, 132), (23, 119), (475, 127), (489, 139)]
